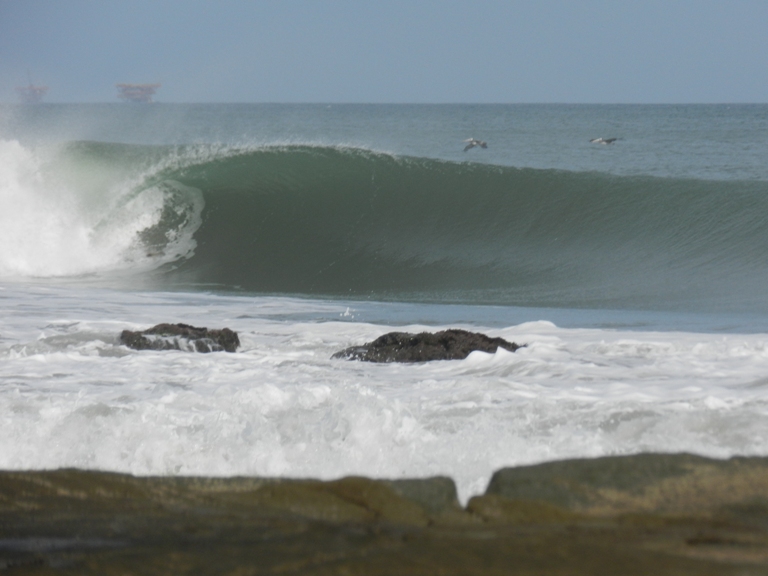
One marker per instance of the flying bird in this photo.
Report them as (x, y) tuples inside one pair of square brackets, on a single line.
[(603, 140), (474, 142)]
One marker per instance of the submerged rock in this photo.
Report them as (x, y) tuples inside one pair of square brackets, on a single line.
[(181, 337), (451, 344)]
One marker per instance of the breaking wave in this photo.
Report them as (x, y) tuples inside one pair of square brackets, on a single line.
[(348, 222)]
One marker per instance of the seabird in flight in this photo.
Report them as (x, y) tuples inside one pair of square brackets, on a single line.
[(603, 140), (474, 142)]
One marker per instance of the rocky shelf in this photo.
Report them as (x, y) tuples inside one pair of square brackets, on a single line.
[(644, 514)]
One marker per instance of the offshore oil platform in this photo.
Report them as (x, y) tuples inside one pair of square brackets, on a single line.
[(31, 94), (136, 92)]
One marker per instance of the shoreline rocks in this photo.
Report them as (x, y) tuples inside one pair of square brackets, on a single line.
[(667, 484), (181, 337), (453, 344), (643, 514)]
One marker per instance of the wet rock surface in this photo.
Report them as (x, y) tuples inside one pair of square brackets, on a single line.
[(655, 483), (645, 514), (181, 337), (451, 344)]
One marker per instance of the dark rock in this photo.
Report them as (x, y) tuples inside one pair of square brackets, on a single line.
[(181, 337), (451, 344)]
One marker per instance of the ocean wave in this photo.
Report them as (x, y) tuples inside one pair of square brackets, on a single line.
[(338, 221)]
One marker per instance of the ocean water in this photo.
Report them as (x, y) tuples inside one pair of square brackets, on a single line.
[(634, 272)]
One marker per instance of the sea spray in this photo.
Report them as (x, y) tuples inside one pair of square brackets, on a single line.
[(60, 219)]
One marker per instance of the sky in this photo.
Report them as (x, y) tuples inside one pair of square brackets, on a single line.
[(389, 51)]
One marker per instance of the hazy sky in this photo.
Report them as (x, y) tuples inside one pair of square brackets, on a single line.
[(389, 50)]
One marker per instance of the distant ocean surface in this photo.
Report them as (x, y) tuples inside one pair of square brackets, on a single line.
[(635, 272)]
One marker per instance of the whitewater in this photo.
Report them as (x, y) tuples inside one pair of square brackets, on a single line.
[(634, 273)]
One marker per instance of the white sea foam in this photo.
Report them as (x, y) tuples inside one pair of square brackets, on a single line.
[(72, 396), (57, 222)]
